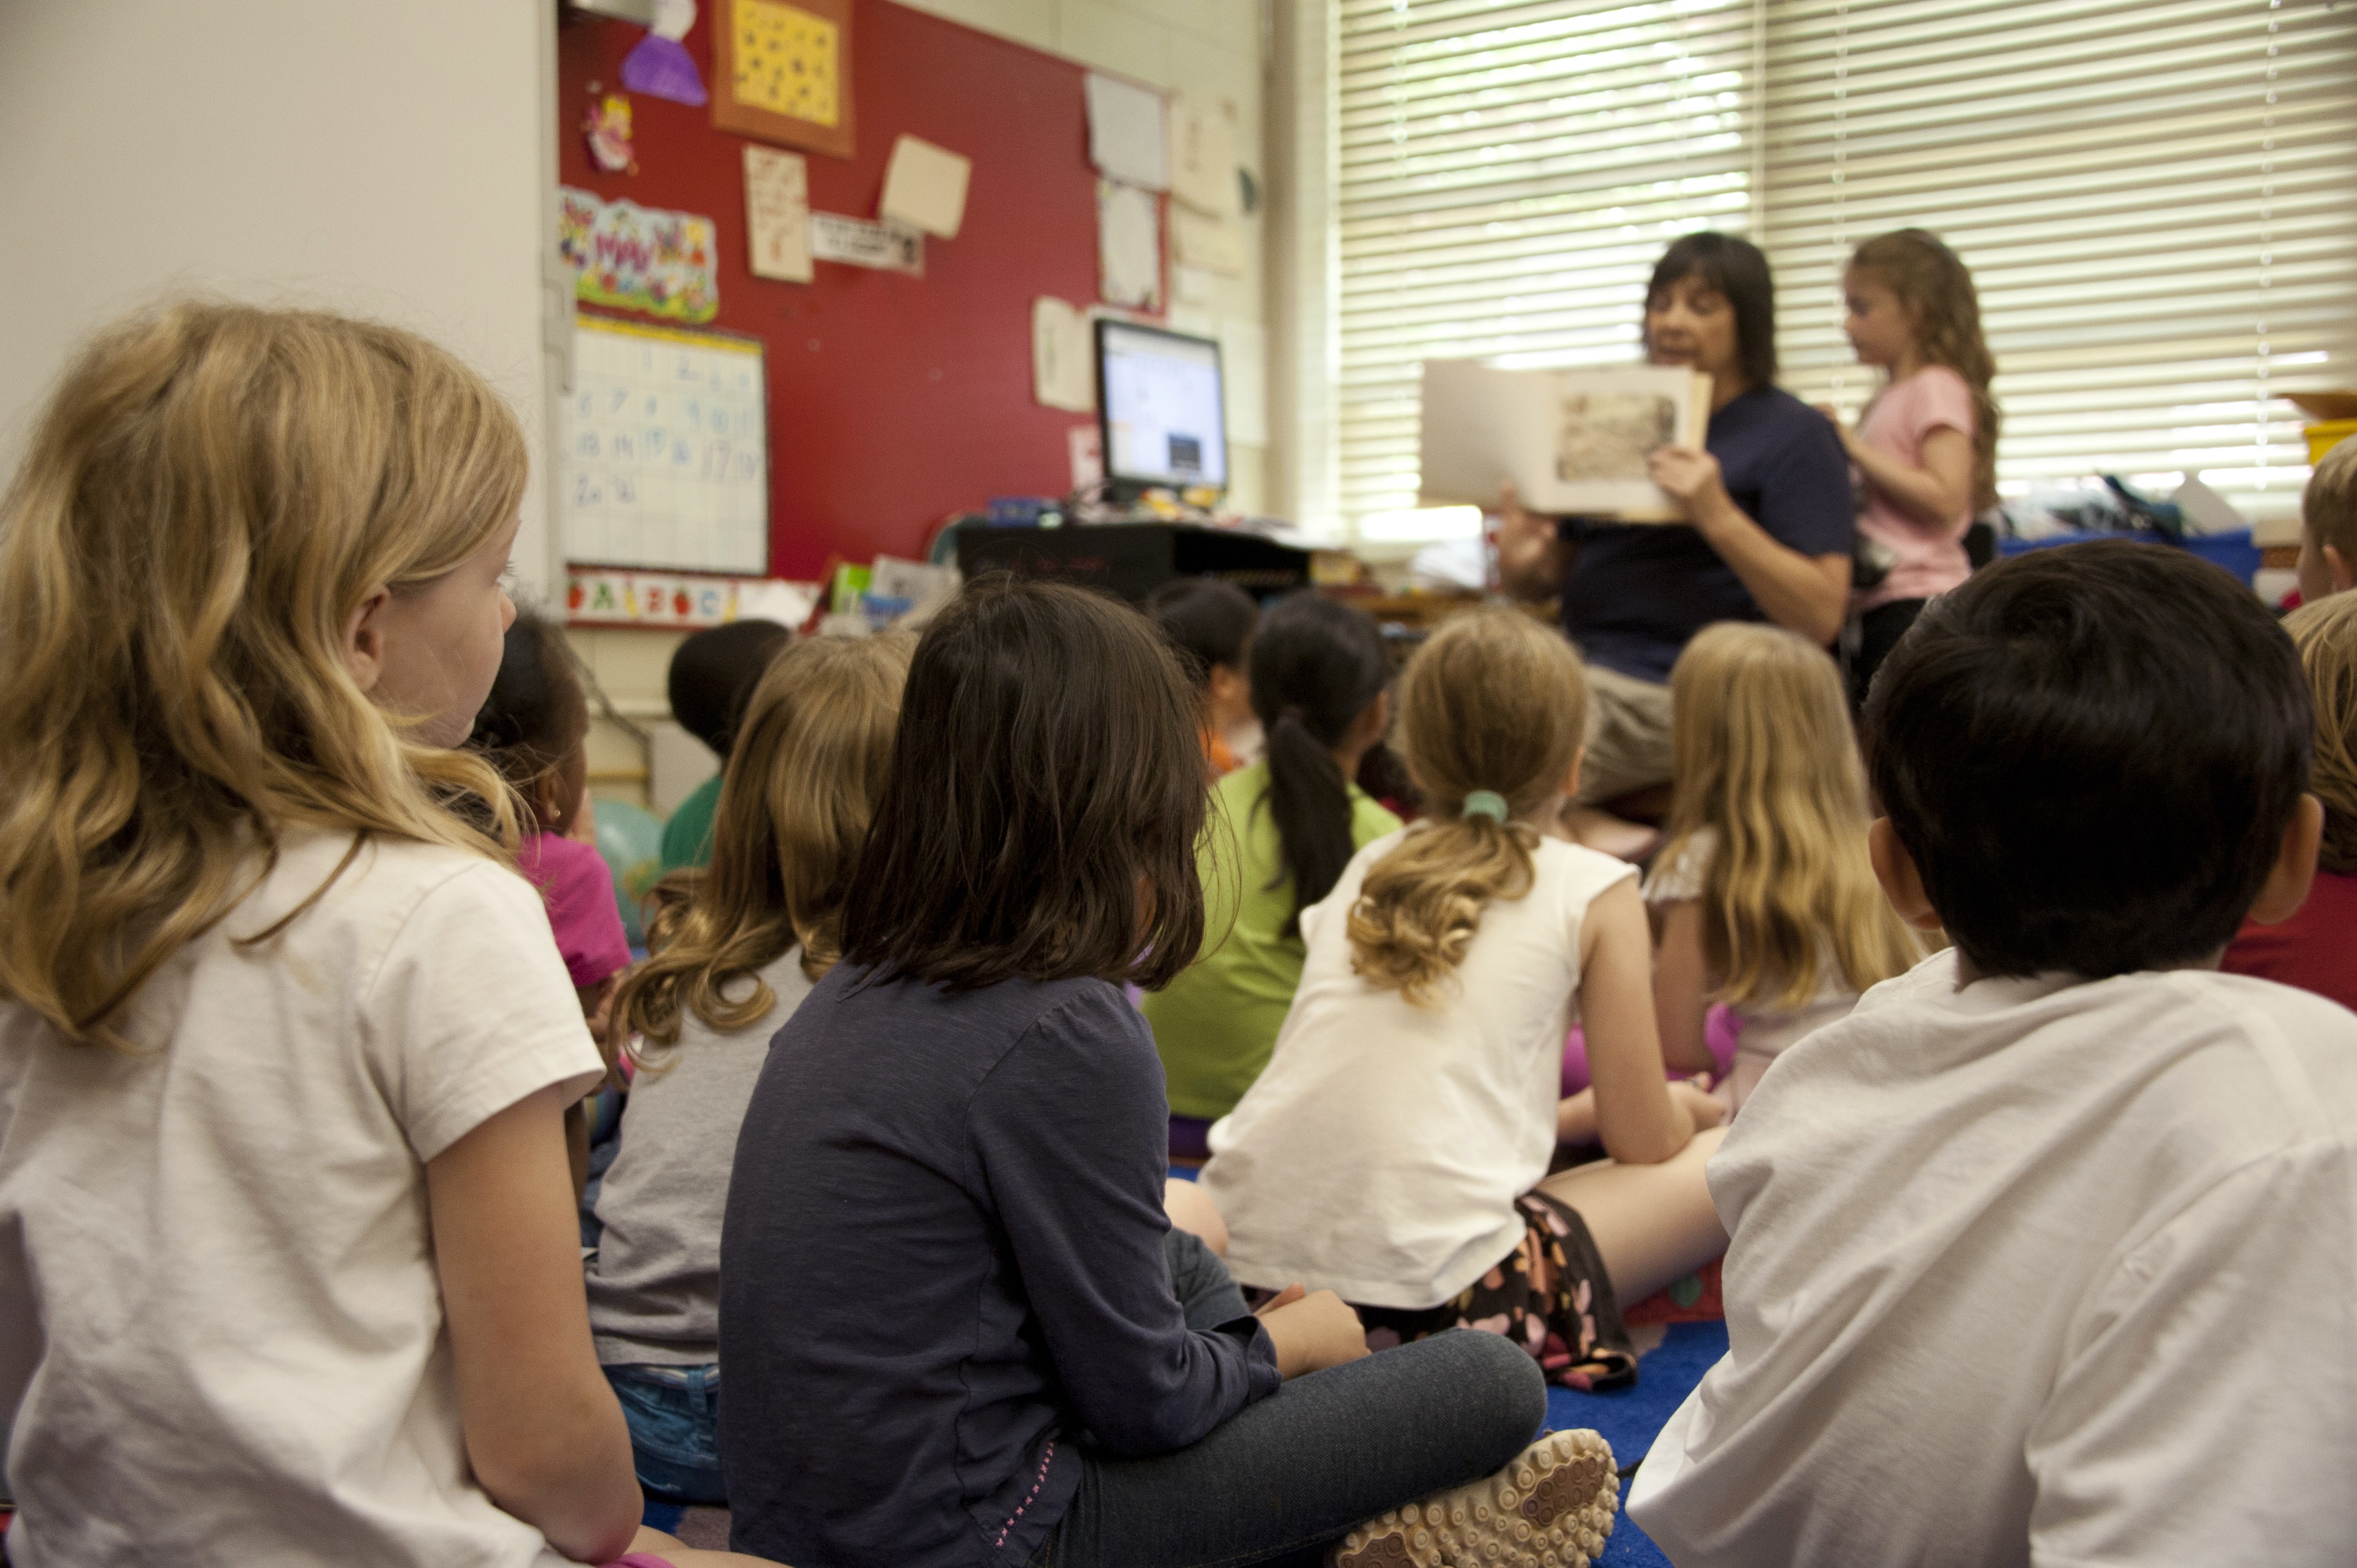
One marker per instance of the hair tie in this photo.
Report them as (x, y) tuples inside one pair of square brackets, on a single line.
[(1484, 803)]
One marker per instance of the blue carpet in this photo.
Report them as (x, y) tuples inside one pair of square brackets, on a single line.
[(1630, 1418)]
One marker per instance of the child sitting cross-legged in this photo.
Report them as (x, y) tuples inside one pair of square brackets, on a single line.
[(1763, 897), (736, 946), (1396, 1149), (2042, 1254), (956, 1330)]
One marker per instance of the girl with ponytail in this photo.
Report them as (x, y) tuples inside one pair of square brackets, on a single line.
[(1278, 834), (1396, 1150)]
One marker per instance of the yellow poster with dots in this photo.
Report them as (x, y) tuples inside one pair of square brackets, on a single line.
[(788, 62)]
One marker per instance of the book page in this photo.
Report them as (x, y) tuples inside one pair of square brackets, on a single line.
[(1572, 441)]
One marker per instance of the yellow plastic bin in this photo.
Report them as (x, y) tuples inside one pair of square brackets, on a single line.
[(2324, 437), (2335, 413)]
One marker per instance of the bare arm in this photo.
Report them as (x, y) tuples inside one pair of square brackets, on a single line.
[(1530, 551), (1807, 594), (1682, 989), (543, 1433), (1640, 1123), (1939, 491)]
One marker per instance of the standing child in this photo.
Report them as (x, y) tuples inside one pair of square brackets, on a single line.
[(1926, 446), (2042, 1254), (288, 1267), (1280, 833), (1763, 898), (954, 1335), (736, 946), (1396, 1149), (1211, 622), (2315, 948)]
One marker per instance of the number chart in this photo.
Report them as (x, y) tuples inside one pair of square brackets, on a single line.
[(663, 450)]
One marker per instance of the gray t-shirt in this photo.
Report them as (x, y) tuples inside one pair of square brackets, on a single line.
[(654, 1280)]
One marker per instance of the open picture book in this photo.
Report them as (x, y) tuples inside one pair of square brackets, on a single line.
[(1572, 441)]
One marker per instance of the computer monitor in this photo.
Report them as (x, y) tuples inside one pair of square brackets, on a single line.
[(1160, 407)]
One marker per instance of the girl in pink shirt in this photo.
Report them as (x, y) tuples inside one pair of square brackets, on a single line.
[(1925, 447)]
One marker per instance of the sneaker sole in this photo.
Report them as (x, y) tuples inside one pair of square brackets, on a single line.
[(1552, 1508)]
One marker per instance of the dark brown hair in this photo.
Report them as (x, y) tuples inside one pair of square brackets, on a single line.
[(1046, 791)]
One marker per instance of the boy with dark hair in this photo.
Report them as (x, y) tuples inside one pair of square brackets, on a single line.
[(713, 673), (2048, 1252)]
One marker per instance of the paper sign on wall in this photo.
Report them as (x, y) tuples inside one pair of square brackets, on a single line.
[(777, 213), (1203, 156), (1063, 373), (1129, 246), (924, 186), (1213, 244), (856, 242), (640, 258), (1126, 136)]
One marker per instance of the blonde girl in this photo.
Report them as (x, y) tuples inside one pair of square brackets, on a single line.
[(1926, 448), (1396, 1149), (1762, 894), (287, 1255), (735, 946)]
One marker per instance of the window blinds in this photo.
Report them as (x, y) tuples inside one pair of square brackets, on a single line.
[(2161, 246), (1508, 174), (2154, 197)]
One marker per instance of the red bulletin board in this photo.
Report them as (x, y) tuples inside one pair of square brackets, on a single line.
[(894, 400)]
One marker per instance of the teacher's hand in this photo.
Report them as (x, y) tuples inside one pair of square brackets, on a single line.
[(1689, 476)]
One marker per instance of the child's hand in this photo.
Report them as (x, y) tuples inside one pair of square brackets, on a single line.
[(1311, 1331), (1695, 1096)]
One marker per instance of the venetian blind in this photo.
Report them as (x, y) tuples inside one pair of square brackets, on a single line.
[(1508, 174), (2154, 197)]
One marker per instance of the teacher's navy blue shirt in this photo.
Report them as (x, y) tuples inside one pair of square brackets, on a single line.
[(944, 1272), (1634, 593)]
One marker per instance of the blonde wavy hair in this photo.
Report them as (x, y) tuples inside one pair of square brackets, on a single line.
[(1933, 286), (208, 495), (1767, 765), (1493, 701), (803, 777), (2326, 635)]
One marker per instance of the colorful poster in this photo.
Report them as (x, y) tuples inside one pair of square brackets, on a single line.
[(788, 62), (638, 258)]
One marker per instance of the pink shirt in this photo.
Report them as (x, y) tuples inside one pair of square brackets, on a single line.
[(1930, 555), (578, 893)]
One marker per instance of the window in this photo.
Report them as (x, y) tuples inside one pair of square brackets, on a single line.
[(2152, 195)]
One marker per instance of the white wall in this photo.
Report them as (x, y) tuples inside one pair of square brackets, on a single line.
[(389, 160)]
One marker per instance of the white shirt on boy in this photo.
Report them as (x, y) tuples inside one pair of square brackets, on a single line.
[(1381, 1153), (221, 1325), (2034, 1272)]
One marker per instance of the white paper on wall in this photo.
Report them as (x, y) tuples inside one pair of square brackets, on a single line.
[(1243, 379), (1214, 245), (1063, 365), (1203, 156), (1129, 246), (662, 456), (856, 242), (777, 213), (1129, 140), (924, 186)]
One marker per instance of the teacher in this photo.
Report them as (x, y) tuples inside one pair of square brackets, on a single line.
[(1767, 506)]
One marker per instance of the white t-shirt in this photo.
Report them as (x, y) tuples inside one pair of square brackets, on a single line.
[(654, 1280), (2038, 1271), (221, 1326), (1380, 1155), (1768, 1029)]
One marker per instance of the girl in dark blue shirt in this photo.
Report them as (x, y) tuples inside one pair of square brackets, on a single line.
[(958, 1330)]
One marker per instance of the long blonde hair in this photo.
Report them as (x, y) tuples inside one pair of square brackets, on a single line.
[(2326, 634), (802, 781), (1493, 701), (1768, 766), (210, 494), (1933, 283)]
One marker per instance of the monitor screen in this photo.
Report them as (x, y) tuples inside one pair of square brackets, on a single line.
[(1164, 423)]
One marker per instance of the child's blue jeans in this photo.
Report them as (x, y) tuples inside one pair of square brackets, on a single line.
[(675, 1416)]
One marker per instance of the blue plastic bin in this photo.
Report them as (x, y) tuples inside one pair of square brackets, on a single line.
[(2232, 551)]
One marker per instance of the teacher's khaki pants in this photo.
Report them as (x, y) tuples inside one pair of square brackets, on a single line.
[(1628, 735)]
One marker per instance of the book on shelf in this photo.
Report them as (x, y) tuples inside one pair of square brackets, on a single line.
[(1572, 441)]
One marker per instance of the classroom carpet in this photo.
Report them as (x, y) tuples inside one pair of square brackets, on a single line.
[(1629, 1418)]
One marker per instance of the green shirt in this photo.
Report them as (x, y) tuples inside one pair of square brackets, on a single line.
[(687, 837), (1217, 1023)]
